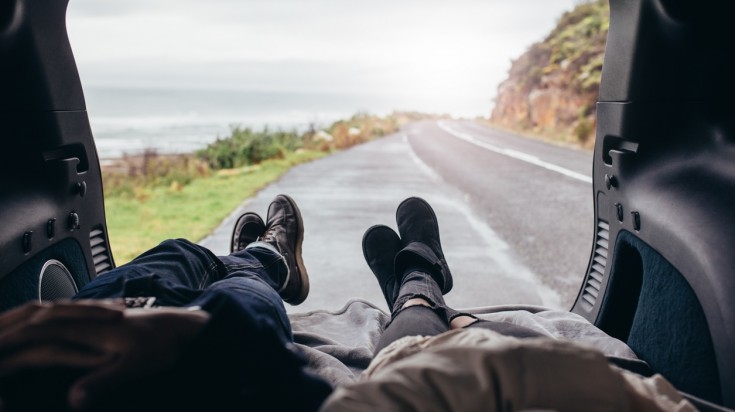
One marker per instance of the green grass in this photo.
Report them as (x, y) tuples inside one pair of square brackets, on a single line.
[(138, 221)]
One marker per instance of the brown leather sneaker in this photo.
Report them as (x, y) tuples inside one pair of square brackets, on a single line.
[(285, 231), (248, 228)]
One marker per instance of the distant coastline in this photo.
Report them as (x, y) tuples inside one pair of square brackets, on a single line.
[(130, 121)]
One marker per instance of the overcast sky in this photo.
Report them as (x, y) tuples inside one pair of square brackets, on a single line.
[(436, 50)]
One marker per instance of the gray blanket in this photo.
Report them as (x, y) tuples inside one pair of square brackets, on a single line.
[(339, 345)]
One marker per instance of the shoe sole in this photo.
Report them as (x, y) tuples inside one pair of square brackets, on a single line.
[(303, 275)]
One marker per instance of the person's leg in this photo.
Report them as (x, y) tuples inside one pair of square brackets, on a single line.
[(251, 279), (416, 320), (250, 332), (244, 356), (411, 312), (173, 272), (267, 272), (177, 271), (180, 273), (419, 310), (411, 271), (416, 315)]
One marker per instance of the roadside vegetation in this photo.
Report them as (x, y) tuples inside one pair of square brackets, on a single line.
[(152, 197)]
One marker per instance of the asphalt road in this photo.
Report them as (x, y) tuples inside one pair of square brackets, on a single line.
[(515, 214)]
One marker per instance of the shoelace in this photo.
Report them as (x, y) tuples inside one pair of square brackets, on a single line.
[(268, 236)]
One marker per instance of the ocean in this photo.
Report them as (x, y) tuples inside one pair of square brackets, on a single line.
[(129, 121)]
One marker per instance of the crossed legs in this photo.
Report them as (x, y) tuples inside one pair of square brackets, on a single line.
[(263, 270), (413, 275)]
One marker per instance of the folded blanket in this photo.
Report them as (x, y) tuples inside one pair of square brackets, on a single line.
[(339, 345)]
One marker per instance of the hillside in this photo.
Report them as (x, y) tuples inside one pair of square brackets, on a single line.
[(552, 88)]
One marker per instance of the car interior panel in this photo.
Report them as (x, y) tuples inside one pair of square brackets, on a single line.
[(54, 236), (660, 273)]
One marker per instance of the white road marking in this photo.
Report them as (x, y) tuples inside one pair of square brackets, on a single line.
[(515, 154), (423, 166), (498, 251)]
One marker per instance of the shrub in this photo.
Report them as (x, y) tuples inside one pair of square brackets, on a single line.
[(246, 147)]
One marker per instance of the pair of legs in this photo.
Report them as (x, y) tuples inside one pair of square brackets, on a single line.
[(263, 270), (419, 317), (230, 350), (182, 274), (413, 274), (244, 357)]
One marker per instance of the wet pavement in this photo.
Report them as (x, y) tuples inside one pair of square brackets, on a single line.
[(513, 229)]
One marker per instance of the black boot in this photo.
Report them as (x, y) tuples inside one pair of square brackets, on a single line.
[(379, 246), (419, 230)]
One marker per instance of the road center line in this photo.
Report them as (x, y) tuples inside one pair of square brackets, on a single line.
[(515, 154)]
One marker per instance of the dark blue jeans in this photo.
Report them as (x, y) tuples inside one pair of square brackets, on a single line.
[(183, 274), (244, 359)]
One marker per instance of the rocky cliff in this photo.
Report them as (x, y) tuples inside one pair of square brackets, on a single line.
[(552, 88)]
